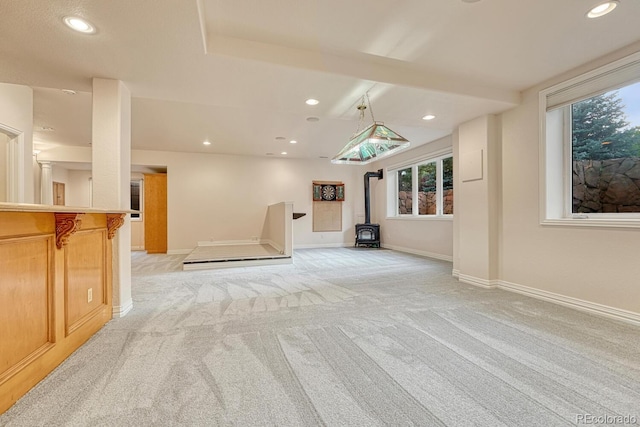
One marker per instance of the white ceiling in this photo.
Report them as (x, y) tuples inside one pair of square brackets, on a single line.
[(238, 72)]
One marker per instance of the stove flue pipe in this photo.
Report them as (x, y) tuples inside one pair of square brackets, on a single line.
[(367, 203)]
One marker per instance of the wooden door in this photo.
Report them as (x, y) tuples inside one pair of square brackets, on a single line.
[(58, 193), (155, 213)]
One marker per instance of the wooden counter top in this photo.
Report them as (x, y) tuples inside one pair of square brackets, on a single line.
[(29, 207)]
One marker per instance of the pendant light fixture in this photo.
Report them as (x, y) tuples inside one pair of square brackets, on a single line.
[(372, 143)]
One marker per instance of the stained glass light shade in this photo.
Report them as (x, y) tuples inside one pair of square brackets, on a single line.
[(371, 144)]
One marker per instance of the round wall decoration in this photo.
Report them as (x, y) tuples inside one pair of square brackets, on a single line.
[(328, 192)]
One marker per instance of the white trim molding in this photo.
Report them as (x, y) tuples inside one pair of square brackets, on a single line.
[(122, 310), (418, 252), (179, 251), (575, 303), (476, 281), (455, 273)]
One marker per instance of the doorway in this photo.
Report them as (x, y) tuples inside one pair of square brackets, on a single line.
[(58, 193), (11, 164)]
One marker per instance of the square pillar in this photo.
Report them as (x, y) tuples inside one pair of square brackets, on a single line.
[(111, 176), (477, 149)]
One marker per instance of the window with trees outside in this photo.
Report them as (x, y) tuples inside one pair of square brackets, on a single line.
[(422, 189), (605, 152), (591, 144)]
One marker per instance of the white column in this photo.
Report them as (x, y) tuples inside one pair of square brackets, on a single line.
[(111, 176), (477, 201), (46, 183)]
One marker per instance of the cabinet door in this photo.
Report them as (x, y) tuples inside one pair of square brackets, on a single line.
[(155, 213)]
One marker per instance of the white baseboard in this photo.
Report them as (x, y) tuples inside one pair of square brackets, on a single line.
[(321, 245), (476, 281), (179, 251), (575, 303), (578, 304), (418, 252), (455, 273), (122, 310), (273, 244)]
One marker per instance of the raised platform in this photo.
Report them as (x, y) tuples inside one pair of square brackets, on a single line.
[(233, 255)]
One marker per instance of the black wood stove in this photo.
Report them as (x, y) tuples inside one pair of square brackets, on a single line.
[(368, 234)]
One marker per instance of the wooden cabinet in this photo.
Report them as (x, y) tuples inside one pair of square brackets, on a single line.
[(155, 213), (55, 290)]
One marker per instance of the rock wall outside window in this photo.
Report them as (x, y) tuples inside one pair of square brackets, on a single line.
[(606, 186), (426, 202)]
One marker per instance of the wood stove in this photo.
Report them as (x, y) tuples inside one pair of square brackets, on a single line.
[(368, 234)]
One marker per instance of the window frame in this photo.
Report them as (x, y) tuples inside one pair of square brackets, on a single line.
[(392, 187), (555, 139), (141, 199)]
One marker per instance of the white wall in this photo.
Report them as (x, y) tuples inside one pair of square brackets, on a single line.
[(78, 188), (222, 197), (60, 174), (430, 237), (16, 111), (4, 140), (595, 265)]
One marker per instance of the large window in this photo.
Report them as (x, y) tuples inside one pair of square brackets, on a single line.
[(605, 152), (422, 189), (591, 147)]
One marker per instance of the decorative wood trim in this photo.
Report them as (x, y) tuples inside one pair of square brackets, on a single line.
[(51, 344), (114, 221), (66, 225), (338, 190)]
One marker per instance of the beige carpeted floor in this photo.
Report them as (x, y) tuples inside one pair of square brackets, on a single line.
[(343, 337)]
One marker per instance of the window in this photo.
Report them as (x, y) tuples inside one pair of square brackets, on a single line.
[(421, 190), (591, 148), (405, 191), (136, 199)]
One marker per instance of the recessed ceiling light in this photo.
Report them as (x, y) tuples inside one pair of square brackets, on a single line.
[(602, 9), (206, 143), (269, 154), (293, 141), (312, 101), (68, 91), (429, 117), (284, 153), (80, 25), (323, 157), (45, 129), (280, 138), (313, 119)]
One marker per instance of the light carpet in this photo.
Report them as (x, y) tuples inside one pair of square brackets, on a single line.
[(342, 337)]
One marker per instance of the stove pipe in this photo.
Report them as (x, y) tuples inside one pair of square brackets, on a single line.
[(367, 207)]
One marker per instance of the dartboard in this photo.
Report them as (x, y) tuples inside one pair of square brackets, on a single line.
[(328, 192)]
